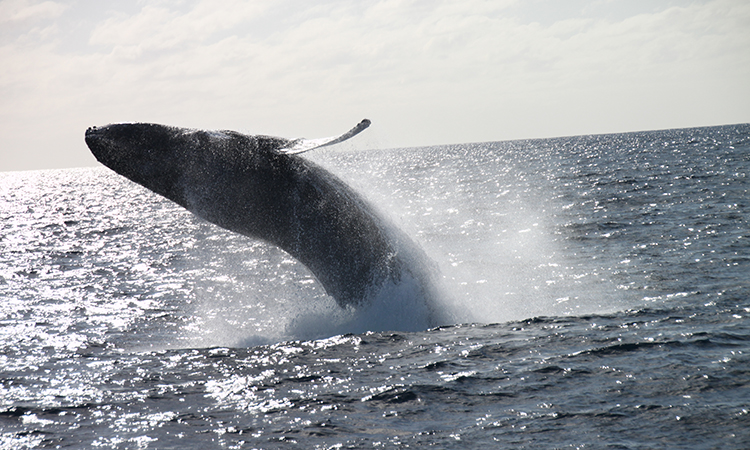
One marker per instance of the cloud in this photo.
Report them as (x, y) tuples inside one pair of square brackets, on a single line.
[(425, 71), (26, 10), (164, 27), (28, 23)]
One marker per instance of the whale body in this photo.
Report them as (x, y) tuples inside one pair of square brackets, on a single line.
[(258, 186)]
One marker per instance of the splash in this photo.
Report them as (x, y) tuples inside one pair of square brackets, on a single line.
[(257, 294), (488, 239)]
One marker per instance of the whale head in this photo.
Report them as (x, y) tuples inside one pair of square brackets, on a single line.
[(172, 161), (234, 180), (145, 153)]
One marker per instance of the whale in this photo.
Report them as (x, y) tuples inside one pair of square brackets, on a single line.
[(260, 186)]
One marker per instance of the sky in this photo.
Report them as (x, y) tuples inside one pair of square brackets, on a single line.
[(426, 72)]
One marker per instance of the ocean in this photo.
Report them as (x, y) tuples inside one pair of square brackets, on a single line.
[(595, 290)]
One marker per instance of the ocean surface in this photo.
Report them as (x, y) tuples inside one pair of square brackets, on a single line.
[(597, 290)]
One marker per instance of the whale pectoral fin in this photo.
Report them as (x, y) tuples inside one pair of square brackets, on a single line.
[(303, 145)]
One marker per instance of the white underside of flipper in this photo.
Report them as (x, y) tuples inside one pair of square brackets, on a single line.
[(303, 145)]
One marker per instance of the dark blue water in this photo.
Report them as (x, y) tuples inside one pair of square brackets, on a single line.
[(598, 289)]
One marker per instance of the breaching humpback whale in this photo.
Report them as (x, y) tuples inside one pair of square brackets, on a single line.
[(259, 187)]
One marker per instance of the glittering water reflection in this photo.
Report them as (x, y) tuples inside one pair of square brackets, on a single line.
[(127, 323)]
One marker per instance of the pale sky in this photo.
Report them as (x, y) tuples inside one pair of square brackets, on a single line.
[(424, 71)]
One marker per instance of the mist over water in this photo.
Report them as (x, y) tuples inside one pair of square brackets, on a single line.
[(488, 223), (491, 217)]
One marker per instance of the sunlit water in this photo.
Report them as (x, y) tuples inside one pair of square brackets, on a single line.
[(596, 291)]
